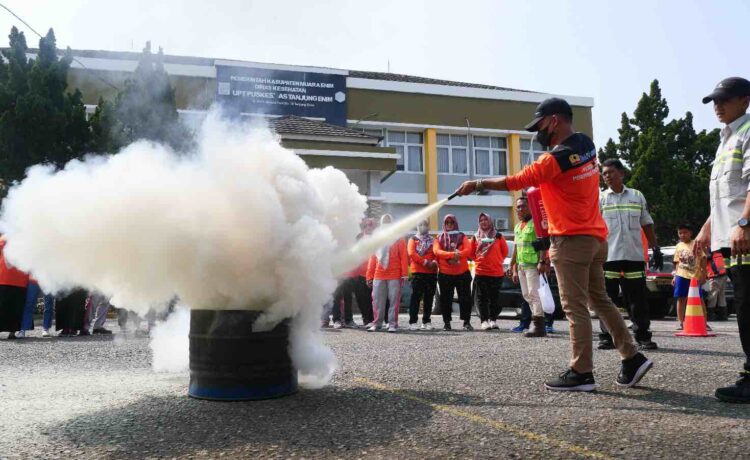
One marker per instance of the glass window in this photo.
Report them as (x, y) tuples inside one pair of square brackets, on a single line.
[(500, 163), (414, 138), (396, 136), (414, 162), (458, 158), (482, 166), (443, 160), (453, 154), (531, 150), (409, 147), (490, 156), (480, 141), (400, 159), (459, 141)]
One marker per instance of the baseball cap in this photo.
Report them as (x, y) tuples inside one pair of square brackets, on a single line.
[(729, 88), (551, 106)]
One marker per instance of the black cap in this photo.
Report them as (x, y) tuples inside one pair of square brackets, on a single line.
[(729, 88), (551, 106)]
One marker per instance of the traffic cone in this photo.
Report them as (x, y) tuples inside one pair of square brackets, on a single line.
[(695, 322)]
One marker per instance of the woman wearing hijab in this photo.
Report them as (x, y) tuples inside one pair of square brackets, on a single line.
[(424, 275), (354, 284), (386, 272), (13, 285), (452, 250), (489, 252)]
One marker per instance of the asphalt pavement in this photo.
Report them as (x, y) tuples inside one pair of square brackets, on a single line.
[(404, 395)]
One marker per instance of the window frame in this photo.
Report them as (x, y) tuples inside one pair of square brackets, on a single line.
[(491, 150), (533, 153), (468, 152), (406, 144)]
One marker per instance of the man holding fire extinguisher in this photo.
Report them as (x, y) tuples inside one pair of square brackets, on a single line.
[(568, 179)]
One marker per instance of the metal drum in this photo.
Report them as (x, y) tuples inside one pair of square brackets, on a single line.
[(230, 362)]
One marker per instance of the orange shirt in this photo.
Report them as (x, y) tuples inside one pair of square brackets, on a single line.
[(444, 256), (491, 263), (10, 276), (568, 178), (417, 262), (398, 264)]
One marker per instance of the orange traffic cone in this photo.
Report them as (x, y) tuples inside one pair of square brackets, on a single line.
[(695, 322)]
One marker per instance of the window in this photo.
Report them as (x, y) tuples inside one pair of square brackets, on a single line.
[(530, 151), (375, 133), (453, 154), (490, 156), (409, 148)]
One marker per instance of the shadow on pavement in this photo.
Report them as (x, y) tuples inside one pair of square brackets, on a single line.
[(687, 351), (328, 420), (684, 403)]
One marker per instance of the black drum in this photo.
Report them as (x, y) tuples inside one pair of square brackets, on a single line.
[(230, 362)]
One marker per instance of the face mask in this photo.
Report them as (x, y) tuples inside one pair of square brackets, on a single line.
[(543, 137)]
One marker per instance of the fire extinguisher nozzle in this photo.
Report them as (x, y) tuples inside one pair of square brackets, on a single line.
[(455, 194)]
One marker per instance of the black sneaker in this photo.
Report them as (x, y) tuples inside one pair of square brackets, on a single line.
[(447, 327), (101, 330), (606, 345), (468, 326), (647, 345), (571, 380), (633, 369), (737, 393)]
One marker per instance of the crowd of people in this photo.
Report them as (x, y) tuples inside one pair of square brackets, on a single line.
[(598, 243), (75, 313)]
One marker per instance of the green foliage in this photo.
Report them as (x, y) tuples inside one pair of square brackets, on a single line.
[(39, 121), (670, 163), (144, 109)]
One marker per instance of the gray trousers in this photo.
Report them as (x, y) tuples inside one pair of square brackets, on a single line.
[(382, 291), (99, 306)]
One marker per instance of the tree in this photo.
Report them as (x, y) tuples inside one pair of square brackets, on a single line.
[(144, 109), (670, 164), (40, 122)]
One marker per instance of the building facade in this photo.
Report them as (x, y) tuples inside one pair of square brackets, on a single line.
[(405, 141)]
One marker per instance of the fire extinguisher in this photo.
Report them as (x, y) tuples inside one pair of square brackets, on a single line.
[(539, 216)]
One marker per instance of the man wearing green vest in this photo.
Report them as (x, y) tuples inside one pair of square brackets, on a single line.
[(527, 264)]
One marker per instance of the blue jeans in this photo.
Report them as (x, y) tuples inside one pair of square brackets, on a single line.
[(32, 293), (49, 310)]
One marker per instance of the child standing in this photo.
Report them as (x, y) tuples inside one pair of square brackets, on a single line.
[(687, 267)]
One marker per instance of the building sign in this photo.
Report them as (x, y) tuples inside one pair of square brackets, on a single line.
[(282, 92)]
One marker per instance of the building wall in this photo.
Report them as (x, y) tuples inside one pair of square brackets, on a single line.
[(429, 109)]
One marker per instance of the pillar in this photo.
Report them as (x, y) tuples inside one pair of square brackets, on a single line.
[(514, 166), (430, 172)]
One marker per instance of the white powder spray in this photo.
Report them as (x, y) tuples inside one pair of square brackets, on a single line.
[(242, 223)]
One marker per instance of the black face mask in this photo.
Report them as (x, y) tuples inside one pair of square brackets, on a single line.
[(544, 138)]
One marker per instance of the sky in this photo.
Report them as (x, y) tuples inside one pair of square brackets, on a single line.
[(608, 50)]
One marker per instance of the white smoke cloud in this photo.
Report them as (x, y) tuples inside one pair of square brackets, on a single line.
[(170, 342), (241, 223)]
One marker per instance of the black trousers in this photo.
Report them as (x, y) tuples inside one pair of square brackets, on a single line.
[(12, 302), (342, 300), (460, 283), (633, 286), (363, 295), (69, 310), (741, 283), (423, 286), (488, 296)]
